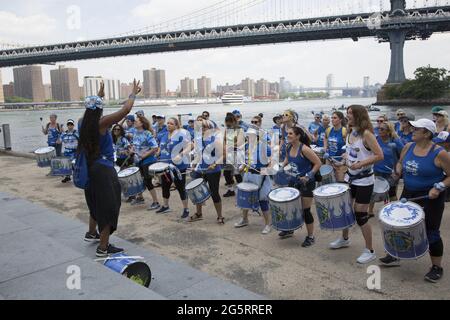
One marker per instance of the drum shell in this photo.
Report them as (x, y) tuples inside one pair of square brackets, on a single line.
[(286, 215), (198, 194), (328, 176), (335, 212), (61, 166), (132, 185), (44, 159), (152, 171), (247, 199), (379, 195), (130, 267)]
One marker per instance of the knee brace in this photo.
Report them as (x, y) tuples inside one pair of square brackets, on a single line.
[(362, 218), (309, 219)]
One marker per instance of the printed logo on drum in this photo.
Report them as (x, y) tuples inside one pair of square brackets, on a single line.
[(412, 167), (374, 280), (73, 281)]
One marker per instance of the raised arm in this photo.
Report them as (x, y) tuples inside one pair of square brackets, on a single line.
[(109, 120)]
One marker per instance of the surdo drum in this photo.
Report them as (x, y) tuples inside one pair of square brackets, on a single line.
[(158, 169), (61, 166), (131, 182), (44, 156), (247, 196), (286, 208), (198, 191), (327, 173)]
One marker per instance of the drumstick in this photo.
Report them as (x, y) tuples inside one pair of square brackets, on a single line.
[(404, 200), (120, 258), (125, 162)]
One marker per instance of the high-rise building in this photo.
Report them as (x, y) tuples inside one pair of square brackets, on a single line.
[(248, 86), (283, 88), (366, 82), (65, 86), (2, 97), (125, 90), (187, 89), (204, 87), (48, 95), (330, 81), (262, 88), (92, 86), (274, 88), (28, 83), (154, 84), (8, 90)]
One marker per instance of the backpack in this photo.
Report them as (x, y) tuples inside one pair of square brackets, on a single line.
[(81, 171)]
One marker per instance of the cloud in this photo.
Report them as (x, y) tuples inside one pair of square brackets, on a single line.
[(19, 29)]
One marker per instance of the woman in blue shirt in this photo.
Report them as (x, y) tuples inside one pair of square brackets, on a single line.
[(121, 146), (53, 132), (69, 140), (174, 149), (426, 172), (145, 148), (319, 136), (208, 161), (405, 132), (334, 142)]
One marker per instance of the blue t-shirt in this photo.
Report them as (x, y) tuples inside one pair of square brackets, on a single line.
[(129, 133), (406, 138), (160, 132), (173, 146), (336, 142), (189, 129), (321, 136), (106, 150), (120, 147), (397, 126), (209, 155), (313, 127), (53, 134), (143, 141), (376, 131), (391, 152), (70, 143)]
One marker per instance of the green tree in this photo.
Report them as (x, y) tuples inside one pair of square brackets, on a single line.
[(431, 82)]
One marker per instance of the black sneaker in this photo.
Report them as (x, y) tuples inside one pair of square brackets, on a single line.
[(389, 261), (130, 199), (435, 274), (185, 214), (285, 234), (308, 242), (163, 210), (230, 193), (88, 237), (109, 251), (66, 179)]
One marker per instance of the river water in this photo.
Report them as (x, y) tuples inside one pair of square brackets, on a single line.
[(26, 133)]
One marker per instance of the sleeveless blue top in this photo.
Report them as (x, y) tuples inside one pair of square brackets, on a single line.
[(420, 173), (52, 136), (390, 155), (106, 150), (321, 136), (336, 142), (300, 164)]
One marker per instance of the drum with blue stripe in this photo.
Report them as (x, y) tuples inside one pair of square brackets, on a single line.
[(286, 208), (198, 191), (327, 173), (133, 269), (334, 206), (404, 231), (44, 156), (131, 182), (61, 166), (247, 196)]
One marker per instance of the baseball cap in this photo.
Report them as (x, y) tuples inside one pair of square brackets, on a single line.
[(70, 121), (161, 116), (140, 113), (436, 109), (400, 111), (318, 115), (408, 116), (424, 123), (443, 113), (191, 119), (237, 113), (277, 117), (130, 117)]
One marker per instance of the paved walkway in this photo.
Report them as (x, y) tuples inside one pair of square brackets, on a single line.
[(37, 245)]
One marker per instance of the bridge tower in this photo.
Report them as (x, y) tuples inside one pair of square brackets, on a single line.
[(397, 41)]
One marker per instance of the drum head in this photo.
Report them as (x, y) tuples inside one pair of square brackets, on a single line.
[(284, 194), (44, 150), (398, 214), (128, 172), (115, 167), (326, 169), (381, 185), (328, 190), (246, 186), (159, 166), (195, 183)]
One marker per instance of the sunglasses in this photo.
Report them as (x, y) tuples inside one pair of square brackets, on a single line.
[(404, 121), (286, 115), (117, 129), (255, 122), (380, 121)]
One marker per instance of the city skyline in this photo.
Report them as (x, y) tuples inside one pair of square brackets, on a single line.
[(304, 64)]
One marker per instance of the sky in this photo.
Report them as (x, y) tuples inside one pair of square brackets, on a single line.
[(302, 63)]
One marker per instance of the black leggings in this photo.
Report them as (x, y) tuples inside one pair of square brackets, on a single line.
[(213, 180), (143, 168), (228, 174), (434, 210), (166, 183)]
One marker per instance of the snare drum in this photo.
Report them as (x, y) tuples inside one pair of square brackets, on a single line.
[(158, 169), (61, 166), (404, 231), (247, 196), (334, 206), (44, 156), (318, 150), (327, 173), (286, 208), (131, 182), (198, 191), (380, 190)]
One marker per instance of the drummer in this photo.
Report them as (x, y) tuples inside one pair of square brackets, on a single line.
[(69, 141), (233, 140), (405, 132), (334, 143), (319, 136), (53, 132), (423, 166), (145, 148), (305, 164), (121, 146), (257, 158), (391, 146), (362, 152), (174, 149), (207, 162)]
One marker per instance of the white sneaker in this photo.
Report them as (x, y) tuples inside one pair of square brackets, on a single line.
[(366, 257), (339, 243), (266, 229), (241, 223)]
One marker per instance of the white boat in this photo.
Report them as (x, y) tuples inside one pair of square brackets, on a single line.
[(232, 98)]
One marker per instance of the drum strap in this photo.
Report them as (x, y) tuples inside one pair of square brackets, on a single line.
[(361, 175)]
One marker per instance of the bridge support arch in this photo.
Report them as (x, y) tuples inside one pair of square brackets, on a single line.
[(397, 41)]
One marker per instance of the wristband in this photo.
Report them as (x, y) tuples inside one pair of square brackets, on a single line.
[(132, 96), (440, 186), (311, 175)]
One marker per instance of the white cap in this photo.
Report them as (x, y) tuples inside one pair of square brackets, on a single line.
[(443, 113), (424, 123)]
